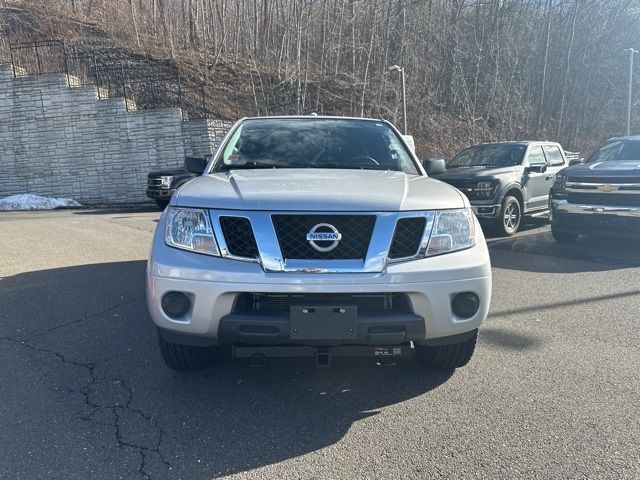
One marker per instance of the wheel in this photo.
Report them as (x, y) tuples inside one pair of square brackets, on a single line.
[(187, 357), (162, 202), (564, 236), (510, 216), (448, 357)]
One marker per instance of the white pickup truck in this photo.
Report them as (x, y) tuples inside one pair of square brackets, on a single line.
[(317, 237)]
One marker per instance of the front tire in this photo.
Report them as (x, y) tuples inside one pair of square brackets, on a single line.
[(187, 357), (563, 236), (510, 216), (448, 357)]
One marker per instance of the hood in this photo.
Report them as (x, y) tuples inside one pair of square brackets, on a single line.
[(317, 190), (614, 168), (169, 171), (474, 173)]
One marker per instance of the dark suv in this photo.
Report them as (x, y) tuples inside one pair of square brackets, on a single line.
[(506, 180), (602, 196)]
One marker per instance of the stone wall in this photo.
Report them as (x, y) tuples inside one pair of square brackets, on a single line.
[(58, 141), (204, 132)]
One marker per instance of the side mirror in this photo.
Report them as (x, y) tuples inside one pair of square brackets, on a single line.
[(195, 164), (576, 161), (538, 168), (434, 166)]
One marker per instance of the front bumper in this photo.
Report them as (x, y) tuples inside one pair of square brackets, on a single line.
[(213, 283), (486, 211), (159, 193), (603, 219)]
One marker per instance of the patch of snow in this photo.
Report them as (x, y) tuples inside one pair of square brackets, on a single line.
[(28, 201)]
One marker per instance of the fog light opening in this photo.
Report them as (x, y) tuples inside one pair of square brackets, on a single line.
[(465, 305), (175, 304)]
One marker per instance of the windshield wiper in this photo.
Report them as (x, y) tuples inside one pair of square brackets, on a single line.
[(248, 166), (479, 165), (343, 166)]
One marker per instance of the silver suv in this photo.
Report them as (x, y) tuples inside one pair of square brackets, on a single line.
[(317, 237)]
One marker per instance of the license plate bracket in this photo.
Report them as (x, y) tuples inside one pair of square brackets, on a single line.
[(323, 322)]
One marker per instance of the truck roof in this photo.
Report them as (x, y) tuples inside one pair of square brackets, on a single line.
[(630, 137), (312, 117), (521, 142)]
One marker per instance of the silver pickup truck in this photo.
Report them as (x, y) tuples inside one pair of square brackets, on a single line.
[(317, 237)]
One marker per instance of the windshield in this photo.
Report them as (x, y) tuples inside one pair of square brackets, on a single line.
[(489, 156), (315, 143), (616, 150)]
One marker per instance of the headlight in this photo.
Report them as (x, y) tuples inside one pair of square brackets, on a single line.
[(165, 181), (453, 230), (190, 229), (485, 190), (560, 183)]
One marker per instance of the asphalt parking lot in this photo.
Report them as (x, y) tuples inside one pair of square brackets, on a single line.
[(552, 392)]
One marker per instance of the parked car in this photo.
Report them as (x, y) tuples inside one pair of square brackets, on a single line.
[(600, 196), (317, 236), (506, 180), (162, 184)]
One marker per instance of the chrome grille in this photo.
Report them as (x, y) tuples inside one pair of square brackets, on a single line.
[(609, 199), (616, 191), (603, 180)]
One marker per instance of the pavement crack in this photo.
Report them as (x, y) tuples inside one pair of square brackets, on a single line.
[(148, 418), (117, 408), (88, 317), (89, 366)]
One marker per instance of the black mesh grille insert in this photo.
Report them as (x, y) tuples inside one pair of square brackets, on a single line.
[(292, 235), (407, 237), (275, 303), (239, 236)]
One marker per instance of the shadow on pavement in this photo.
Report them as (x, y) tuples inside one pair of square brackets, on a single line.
[(81, 353), (527, 224), (143, 208), (592, 253), (584, 299), (508, 339)]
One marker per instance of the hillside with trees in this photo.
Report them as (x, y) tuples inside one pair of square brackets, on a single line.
[(476, 70)]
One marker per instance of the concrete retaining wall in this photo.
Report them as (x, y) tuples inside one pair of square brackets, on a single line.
[(58, 141)]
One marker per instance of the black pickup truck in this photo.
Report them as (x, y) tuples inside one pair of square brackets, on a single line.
[(601, 196), (506, 180), (161, 184)]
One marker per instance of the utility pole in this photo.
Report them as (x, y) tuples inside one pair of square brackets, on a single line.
[(629, 98), (397, 68)]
